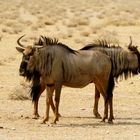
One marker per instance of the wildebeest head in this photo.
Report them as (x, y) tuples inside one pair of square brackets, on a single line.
[(28, 52), (134, 50)]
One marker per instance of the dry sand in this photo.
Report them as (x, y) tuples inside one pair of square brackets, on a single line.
[(75, 23)]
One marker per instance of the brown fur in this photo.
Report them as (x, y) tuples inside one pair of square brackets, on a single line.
[(59, 65), (124, 63), (112, 51)]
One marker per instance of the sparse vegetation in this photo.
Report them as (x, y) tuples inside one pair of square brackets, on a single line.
[(20, 93), (76, 24)]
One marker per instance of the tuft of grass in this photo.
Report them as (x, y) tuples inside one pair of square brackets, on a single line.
[(70, 23), (20, 93), (83, 21), (1, 36)]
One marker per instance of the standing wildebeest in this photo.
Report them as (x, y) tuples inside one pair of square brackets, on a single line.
[(58, 65), (124, 63)]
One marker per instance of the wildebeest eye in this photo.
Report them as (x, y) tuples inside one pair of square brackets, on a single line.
[(26, 57)]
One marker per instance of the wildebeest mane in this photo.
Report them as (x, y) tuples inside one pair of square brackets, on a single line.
[(101, 45), (35, 89), (29, 75), (45, 55), (34, 77), (118, 56), (45, 41), (43, 59)]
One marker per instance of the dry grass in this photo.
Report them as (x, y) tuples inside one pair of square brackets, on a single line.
[(110, 36), (85, 32), (75, 23), (20, 92), (1, 36)]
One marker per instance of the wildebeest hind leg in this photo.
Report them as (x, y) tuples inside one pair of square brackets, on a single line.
[(102, 88), (95, 109)]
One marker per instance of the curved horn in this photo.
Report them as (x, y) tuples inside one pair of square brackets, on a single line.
[(38, 46), (18, 41), (44, 40), (130, 44)]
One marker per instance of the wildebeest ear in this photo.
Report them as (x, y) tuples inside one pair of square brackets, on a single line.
[(19, 49)]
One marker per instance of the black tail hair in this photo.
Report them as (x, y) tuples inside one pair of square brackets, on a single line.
[(111, 84), (35, 89)]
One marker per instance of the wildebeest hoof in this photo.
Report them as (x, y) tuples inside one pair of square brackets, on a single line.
[(103, 120), (35, 117), (53, 123), (59, 115), (110, 121), (98, 116), (55, 120), (44, 121)]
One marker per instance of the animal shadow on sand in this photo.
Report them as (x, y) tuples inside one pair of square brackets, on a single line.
[(119, 121)]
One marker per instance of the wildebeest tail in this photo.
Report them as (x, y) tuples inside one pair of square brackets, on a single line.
[(111, 85)]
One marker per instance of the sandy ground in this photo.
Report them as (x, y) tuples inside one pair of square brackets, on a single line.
[(75, 23)]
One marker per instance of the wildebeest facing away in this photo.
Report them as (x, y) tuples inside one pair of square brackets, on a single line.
[(125, 63), (58, 65)]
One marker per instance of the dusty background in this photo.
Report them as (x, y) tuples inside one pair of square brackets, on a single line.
[(76, 23)]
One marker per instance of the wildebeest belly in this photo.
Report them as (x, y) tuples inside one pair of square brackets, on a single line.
[(78, 82)]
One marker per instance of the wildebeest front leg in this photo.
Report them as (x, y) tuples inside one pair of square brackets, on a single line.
[(57, 100), (95, 109), (35, 113), (49, 101)]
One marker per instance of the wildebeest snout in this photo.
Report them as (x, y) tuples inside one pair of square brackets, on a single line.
[(22, 69)]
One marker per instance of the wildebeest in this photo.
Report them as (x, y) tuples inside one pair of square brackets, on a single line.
[(58, 65), (125, 63)]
